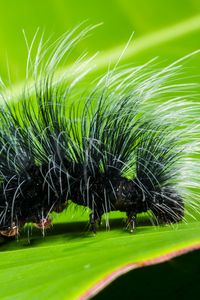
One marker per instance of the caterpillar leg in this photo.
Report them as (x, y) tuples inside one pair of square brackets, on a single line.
[(10, 232), (131, 221), (44, 223), (95, 220)]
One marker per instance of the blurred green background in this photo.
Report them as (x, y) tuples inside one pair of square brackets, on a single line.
[(168, 29)]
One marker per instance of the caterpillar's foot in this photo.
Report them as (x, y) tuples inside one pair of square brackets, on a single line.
[(44, 223), (94, 222), (131, 221), (10, 232)]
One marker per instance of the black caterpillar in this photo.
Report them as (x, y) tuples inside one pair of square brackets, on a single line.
[(113, 148)]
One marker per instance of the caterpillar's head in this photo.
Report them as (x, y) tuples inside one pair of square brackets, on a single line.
[(167, 206)]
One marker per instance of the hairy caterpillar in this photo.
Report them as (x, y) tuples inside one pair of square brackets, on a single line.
[(117, 146)]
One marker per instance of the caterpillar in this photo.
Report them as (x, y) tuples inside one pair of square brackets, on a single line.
[(126, 143)]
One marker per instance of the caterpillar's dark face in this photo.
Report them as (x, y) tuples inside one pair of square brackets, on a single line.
[(167, 206)]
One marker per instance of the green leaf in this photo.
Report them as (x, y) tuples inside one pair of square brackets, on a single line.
[(70, 262)]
